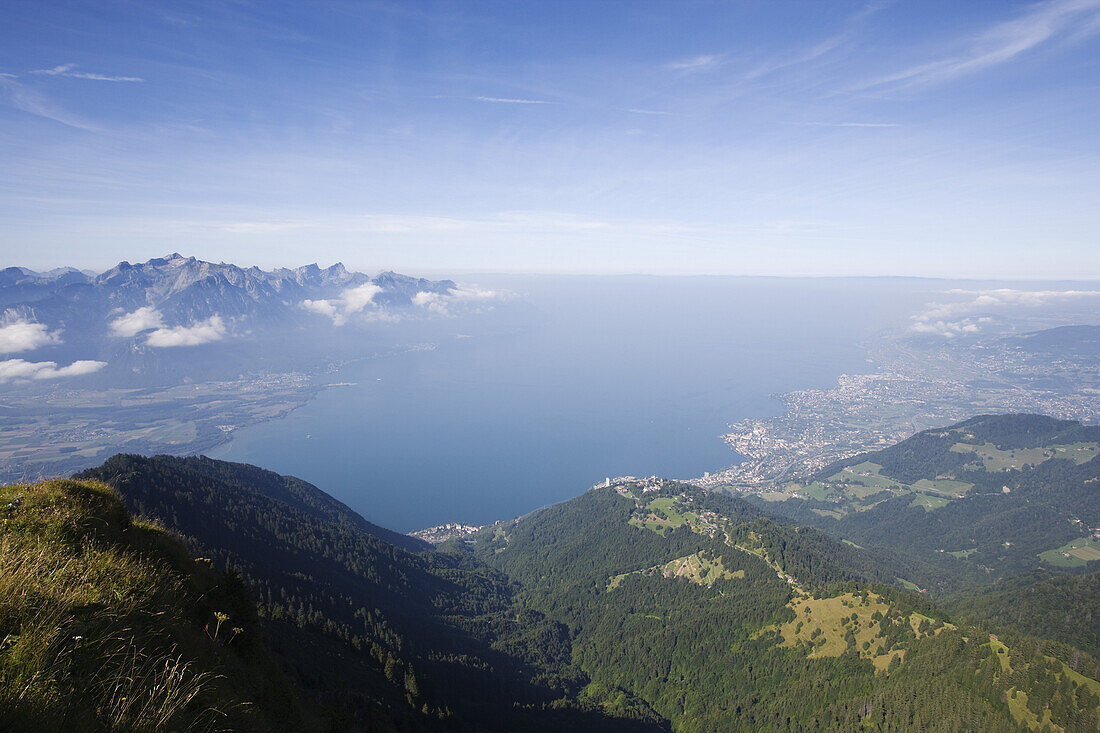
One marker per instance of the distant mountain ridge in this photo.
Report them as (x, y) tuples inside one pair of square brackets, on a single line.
[(1081, 339), (184, 290)]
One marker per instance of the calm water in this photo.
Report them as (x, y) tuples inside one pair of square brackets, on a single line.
[(573, 379)]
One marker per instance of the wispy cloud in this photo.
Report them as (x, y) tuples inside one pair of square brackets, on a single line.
[(20, 370), (1044, 23), (32, 102), (847, 124), (69, 70), (19, 334), (508, 100), (636, 111), (703, 62), (204, 332), (520, 220)]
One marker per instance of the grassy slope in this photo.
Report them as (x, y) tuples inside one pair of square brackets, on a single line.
[(107, 623)]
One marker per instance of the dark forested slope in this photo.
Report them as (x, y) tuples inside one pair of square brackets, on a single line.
[(370, 626)]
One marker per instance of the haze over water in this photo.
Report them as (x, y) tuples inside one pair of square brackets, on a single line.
[(571, 380)]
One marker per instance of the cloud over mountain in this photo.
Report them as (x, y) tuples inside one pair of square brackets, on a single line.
[(204, 332), (19, 334), (349, 302), (131, 324)]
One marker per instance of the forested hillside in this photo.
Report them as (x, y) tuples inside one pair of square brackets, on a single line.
[(694, 606), (419, 640)]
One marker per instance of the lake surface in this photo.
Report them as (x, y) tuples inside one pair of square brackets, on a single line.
[(570, 380)]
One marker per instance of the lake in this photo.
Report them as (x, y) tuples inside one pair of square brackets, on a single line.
[(570, 380)]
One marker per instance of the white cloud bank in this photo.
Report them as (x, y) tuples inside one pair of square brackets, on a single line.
[(18, 369), (19, 334), (204, 332), (959, 318), (350, 302), (442, 302), (131, 324)]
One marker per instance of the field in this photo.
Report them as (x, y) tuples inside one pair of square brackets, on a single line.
[(830, 626), (696, 568), (1073, 554), (1017, 699), (858, 484), (929, 502), (943, 486), (993, 459), (867, 476), (816, 490), (1079, 453), (662, 516)]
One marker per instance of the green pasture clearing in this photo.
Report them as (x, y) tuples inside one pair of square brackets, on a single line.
[(865, 475), (929, 502), (816, 490), (664, 507), (996, 460), (696, 568), (908, 584), (860, 491), (1017, 706), (882, 662), (1079, 678), (915, 620), (1001, 651), (944, 486), (699, 569), (1077, 452), (825, 624), (963, 553), (1073, 554), (662, 516)]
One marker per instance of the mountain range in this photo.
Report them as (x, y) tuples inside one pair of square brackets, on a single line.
[(186, 289), (158, 321)]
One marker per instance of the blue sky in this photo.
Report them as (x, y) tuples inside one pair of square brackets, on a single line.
[(755, 137)]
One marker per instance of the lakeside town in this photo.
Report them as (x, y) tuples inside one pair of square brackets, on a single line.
[(919, 385)]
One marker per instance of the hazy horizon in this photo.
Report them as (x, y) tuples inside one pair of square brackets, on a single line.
[(435, 272)]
